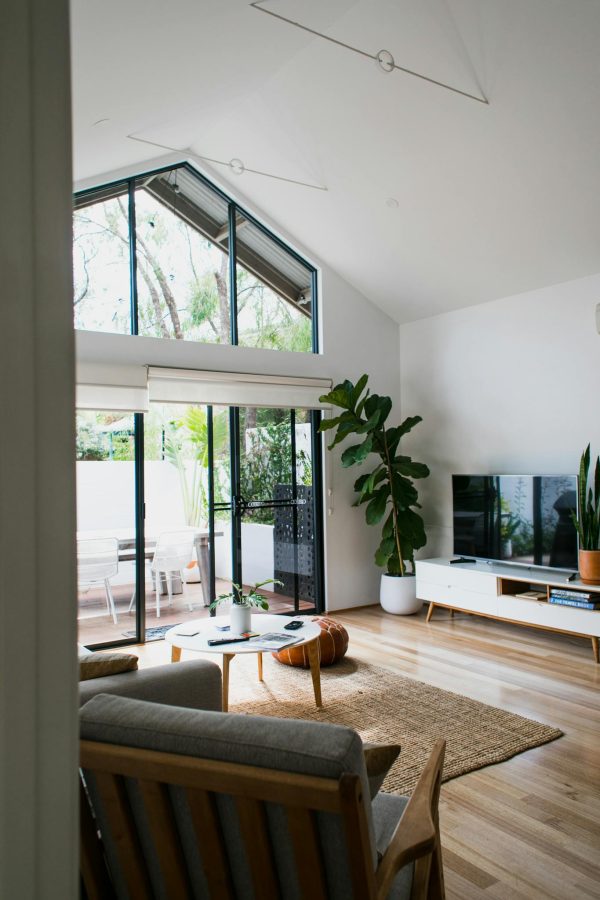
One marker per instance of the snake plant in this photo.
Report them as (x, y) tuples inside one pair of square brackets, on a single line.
[(587, 522)]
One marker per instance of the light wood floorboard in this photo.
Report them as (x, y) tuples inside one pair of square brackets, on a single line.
[(528, 827)]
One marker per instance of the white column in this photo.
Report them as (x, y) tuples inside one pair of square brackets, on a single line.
[(38, 721)]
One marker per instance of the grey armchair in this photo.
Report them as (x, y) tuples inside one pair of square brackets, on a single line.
[(178, 803)]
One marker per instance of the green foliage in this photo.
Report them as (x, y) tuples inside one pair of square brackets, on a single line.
[(267, 461), (239, 598), (588, 522), (186, 448), (387, 490)]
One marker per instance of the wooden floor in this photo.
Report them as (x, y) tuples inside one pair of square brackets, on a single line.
[(528, 827)]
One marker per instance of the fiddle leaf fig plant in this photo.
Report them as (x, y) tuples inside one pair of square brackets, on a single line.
[(388, 490)]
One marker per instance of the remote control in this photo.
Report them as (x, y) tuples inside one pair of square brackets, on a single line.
[(293, 626), (215, 642)]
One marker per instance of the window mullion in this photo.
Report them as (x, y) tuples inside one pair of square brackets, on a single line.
[(233, 311), (133, 299)]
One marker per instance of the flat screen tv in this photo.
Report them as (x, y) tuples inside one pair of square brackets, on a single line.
[(521, 519)]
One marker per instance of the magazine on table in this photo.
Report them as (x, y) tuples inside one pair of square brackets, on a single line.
[(274, 640)]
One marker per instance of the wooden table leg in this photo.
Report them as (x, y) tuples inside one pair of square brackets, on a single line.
[(175, 653), (260, 668), (314, 657), (596, 648), (227, 657), (430, 611)]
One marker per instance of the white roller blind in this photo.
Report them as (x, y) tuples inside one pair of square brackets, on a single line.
[(112, 388), (235, 389)]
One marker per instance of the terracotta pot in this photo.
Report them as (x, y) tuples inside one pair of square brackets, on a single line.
[(589, 566)]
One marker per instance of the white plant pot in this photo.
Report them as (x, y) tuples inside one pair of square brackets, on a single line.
[(239, 619), (191, 574), (398, 595)]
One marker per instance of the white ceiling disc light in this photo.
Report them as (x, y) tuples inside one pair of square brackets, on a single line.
[(237, 166), (385, 61)]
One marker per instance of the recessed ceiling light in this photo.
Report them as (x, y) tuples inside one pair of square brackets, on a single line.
[(392, 203), (100, 122)]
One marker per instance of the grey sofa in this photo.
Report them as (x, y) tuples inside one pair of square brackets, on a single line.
[(195, 684)]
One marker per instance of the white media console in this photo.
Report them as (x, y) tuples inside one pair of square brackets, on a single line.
[(490, 589)]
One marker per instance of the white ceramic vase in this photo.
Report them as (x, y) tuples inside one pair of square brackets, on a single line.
[(239, 619), (398, 595)]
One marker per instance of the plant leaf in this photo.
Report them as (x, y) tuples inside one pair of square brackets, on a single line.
[(357, 453), (408, 424), (358, 389), (375, 511), (384, 551), (406, 466), (405, 493)]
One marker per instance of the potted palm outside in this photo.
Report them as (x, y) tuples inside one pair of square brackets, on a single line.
[(388, 490), (587, 521)]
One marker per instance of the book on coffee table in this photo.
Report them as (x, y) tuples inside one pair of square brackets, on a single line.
[(274, 641)]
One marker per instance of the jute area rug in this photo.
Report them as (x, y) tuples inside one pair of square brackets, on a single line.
[(383, 706)]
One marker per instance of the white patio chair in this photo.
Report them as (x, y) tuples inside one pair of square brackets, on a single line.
[(173, 551), (97, 562)]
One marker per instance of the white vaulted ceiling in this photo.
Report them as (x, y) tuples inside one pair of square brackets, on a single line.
[(491, 200)]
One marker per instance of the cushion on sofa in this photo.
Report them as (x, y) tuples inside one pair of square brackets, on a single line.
[(101, 663), (379, 759)]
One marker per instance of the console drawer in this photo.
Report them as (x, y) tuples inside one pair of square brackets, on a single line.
[(468, 580), (451, 595)]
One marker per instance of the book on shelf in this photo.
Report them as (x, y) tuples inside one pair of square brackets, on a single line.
[(574, 595), (274, 640), (532, 595), (570, 601)]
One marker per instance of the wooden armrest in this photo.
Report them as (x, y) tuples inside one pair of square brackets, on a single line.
[(416, 832)]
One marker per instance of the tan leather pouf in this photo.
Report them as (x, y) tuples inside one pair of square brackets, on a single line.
[(333, 644)]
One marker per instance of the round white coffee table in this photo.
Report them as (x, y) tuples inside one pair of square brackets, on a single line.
[(261, 624)]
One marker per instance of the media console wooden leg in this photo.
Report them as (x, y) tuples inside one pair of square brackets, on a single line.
[(260, 671), (596, 649), (227, 657), (314, 658), (430, 611), (451, 613), (175, 654)]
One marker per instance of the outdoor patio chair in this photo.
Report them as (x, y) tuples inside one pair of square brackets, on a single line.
[(173, 551), (97, 562)]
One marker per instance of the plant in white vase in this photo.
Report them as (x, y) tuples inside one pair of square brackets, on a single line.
[(243, 603), (388, 490)]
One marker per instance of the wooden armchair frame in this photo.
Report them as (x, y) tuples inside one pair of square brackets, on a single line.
[(416, 838)]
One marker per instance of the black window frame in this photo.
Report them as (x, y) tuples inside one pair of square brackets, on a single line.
[(129, 186)]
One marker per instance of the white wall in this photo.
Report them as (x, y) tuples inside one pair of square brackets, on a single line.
[(510, 387), (38, 662), (356, 337)]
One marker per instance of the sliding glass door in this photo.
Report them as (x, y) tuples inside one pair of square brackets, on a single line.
[(274, 506), (236, 490)]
